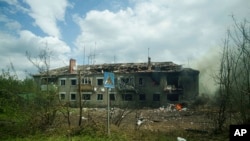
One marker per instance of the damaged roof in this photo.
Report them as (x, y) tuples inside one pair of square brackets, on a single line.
[(119, 68)]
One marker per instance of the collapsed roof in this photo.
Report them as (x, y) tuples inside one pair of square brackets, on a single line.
[(117, 68)]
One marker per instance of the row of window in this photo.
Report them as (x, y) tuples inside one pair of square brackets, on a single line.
[(86, 80), (125, 97), (99, 81), (84, 96)]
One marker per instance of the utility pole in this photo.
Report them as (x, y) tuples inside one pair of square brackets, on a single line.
[(148, 52), (108, 111), (80, 98)]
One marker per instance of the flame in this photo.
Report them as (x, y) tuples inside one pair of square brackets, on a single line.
[(178, 106)]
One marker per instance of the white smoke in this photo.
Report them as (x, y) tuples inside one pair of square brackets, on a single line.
[(208, 65)]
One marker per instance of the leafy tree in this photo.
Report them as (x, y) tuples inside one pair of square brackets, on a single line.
[(15, 109)]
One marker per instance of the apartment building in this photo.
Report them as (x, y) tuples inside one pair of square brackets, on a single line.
[(149, 84)]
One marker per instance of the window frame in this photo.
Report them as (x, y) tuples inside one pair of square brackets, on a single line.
[(97, 98), (97, 81), (86, 96), (60, 96), (72, 93), (141, 81), (71, 80), (60, 81), (86, 80)]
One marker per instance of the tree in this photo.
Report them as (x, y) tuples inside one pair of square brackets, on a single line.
[(225, 85), (234, 77), (16, 104), (47, 96), (241, 68)]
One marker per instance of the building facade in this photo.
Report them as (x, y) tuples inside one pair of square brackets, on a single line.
[(150, 84)]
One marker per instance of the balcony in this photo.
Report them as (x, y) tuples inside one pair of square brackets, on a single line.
[(86, 87), (171, 89)]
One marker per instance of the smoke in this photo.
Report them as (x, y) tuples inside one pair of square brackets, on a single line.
[(208, 65)]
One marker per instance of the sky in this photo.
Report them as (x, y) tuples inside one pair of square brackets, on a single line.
[(186, 32)]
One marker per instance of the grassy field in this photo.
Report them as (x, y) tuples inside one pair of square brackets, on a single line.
[(159, 126), (121, 136)]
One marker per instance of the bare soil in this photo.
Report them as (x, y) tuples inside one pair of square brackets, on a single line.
[(152, 119), (189, 122)]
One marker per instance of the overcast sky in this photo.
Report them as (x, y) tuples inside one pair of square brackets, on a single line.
[(120, 31)]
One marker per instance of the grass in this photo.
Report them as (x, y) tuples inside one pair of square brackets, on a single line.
[(118, 135), (96, 131), (60, 138), (90, 138)]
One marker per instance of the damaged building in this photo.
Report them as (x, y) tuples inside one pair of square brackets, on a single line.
[(149, 84)]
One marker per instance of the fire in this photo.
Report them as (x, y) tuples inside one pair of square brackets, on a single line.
[(178, 106)]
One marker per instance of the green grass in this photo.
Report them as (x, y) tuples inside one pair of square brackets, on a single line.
[(58, 138), (87, 138), (66, 138), (121, 136), (97, 132)]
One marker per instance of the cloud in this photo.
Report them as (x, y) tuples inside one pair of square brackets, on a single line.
[(14, 49), (173, 30), (130, 32), (178, 31), (46, 14), (59, 49)]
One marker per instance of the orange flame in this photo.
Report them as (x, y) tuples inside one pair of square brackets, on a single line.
[(178, 106)]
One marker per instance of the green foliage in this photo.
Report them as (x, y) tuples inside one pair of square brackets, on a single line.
[(12, 106), (16, 105)]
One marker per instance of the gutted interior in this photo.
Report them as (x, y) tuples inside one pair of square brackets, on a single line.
[(136, 84)]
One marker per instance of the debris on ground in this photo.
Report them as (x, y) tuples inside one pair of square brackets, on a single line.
[(181, 139)]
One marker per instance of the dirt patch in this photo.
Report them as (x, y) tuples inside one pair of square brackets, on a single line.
[(150, 119)]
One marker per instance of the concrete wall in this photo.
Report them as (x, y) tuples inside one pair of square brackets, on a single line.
[(143, 89)]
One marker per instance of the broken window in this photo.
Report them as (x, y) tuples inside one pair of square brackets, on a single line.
[(155, 78), (86, 96), (45, 81), (156, 97), (141, 81), (126, 82), (173, 79), (99, 96), (127, 97), (99, 81)]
